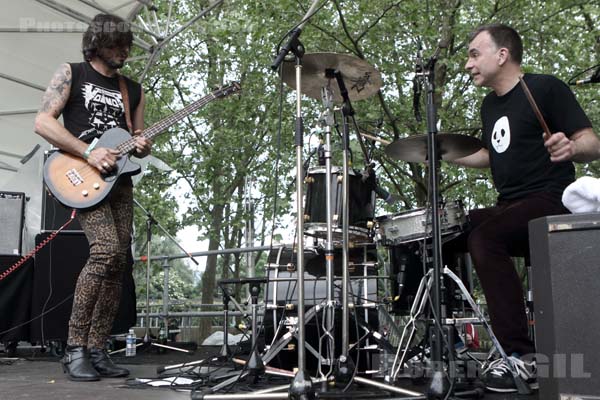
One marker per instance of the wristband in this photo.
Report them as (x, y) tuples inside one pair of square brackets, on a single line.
[(87, 151)]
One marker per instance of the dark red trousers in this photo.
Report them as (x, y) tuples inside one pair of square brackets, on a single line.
[(494, 236)]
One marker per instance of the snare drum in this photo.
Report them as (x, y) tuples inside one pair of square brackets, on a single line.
[(361, 199), (416, 224)]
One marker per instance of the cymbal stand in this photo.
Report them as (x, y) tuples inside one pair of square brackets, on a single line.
[(329, 309), (149, 221), (345, 366), (425, 77), (438, 385)]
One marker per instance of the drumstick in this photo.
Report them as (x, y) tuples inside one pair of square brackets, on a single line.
[(536, 110), (382, 141)]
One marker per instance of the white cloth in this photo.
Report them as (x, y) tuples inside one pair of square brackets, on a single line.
[(583, 195)]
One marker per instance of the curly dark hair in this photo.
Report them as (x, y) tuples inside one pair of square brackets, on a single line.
[(105, 31)]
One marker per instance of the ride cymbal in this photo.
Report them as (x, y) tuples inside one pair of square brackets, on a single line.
[(361, 79), (450, 146)]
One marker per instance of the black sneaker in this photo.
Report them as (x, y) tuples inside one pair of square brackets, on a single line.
[(498, 378)]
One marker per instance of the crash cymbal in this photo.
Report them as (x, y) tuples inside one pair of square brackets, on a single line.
[(450, 147), (361, 79)]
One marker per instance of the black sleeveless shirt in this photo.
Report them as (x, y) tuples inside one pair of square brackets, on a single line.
[(95, 103)]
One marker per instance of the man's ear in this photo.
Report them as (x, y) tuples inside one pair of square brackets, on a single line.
[(503, 56)]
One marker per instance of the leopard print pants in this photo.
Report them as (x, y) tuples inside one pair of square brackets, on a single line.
[(98, 290)]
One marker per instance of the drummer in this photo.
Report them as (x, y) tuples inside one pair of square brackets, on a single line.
[(529, 173)]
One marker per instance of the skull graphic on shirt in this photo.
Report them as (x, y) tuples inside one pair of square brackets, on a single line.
[(501, 135)]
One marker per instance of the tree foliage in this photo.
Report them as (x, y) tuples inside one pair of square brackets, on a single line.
[(217, 149)]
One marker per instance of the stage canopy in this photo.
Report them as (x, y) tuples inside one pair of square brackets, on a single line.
[(36, 36)]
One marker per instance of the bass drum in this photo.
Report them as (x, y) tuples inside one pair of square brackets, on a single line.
[(361, 200)]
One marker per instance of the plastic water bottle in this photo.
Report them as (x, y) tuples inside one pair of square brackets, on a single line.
[(130, 343)]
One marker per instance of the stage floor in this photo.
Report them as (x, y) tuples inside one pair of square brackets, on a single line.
[(32, 375)]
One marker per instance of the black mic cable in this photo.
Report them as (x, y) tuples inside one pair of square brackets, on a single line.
[(594, 78)]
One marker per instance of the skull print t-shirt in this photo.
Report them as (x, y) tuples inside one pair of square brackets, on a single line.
[(95, 104), (513, 136)]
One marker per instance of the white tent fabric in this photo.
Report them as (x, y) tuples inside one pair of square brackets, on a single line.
[(35, 38)]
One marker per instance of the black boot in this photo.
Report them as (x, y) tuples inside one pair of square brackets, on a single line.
[(104, 365), (76, 363)]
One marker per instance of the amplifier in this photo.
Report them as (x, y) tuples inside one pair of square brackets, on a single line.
[(57, 267), (15, 299), (12, 216), (565, 260), (54, 214)]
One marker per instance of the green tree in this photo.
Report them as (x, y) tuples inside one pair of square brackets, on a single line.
[(229, 140)]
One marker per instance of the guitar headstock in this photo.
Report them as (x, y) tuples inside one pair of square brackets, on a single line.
[(224, 91)]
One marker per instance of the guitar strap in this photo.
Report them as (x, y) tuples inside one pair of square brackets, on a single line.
[(125, 97)]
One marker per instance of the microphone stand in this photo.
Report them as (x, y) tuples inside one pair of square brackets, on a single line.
[(438, 386), (301, 386), (150, 220)]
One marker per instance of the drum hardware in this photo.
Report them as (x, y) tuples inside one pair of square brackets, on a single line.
[(324, 71), (360, 203), (418, 308), (408, 226), (433, 148), (451, 146), (362, 81)]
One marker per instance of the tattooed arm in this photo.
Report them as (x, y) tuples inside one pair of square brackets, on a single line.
[(46, 123), (53, 102)]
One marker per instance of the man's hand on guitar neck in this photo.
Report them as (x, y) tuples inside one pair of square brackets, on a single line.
[(143, 145), (103, 159)]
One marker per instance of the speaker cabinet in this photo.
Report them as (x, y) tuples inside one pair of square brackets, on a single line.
[(565, 259), (12, 215), (15, 299), (57, 267), (55, 215)]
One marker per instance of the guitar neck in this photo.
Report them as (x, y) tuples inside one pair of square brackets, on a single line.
[(162, 125)]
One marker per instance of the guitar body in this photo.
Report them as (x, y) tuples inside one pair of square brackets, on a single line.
[(76, 184)]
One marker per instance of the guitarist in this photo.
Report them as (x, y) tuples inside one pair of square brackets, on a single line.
[(88, 96)]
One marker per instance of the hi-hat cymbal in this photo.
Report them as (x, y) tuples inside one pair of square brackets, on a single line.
[(361, 79), (450, 146)]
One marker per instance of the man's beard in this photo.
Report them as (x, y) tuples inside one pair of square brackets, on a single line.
[(114, 64)]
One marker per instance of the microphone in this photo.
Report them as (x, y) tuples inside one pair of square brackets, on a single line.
[(400, 277), (595, 78), (295, 34), (321, 153), (417, 99), (385, 195)]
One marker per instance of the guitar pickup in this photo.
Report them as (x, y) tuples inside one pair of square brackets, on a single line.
[(74, 177)]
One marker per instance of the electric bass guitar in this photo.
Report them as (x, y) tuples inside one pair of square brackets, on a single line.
[(76, 184)]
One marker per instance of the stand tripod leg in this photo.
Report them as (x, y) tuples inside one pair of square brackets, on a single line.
[(225, 351), (522, 386), (416, 310)]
